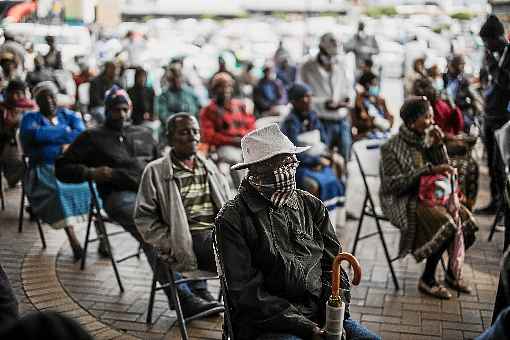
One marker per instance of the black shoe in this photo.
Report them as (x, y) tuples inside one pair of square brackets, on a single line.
[(204, 294), (490, 209), (103, 250), (193, 305)]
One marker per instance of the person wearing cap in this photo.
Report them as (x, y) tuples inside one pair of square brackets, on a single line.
[(178, 97), (416, 154), (278, 244), (363, 45), (332, 85), (113, 155), (497, 102), (224, 121), (45, 134), (318, 171), (178, 199), (269, 95), (11, 110), (53, 59)]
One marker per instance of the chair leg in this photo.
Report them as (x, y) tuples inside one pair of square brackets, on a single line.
[(41, 233), (178, 310), (2, 198), (495, 223), (152, 296), (86, 243), (140, 249), (386, 253), (104, 236), (21, 209), (360, 224)]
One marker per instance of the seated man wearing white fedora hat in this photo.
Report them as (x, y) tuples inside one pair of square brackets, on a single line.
[(278, 245)]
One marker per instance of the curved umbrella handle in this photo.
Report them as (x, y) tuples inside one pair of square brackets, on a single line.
[(335, 276)]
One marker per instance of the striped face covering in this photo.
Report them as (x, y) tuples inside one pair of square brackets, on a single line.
[(277, 186)]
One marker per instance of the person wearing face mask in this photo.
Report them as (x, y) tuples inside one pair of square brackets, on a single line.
[(176, 216), (45, 134), (11, 110), (371, 117), (113, 155), (269, 95), (497, 102), (277, 244), (332, 86), (427, 229), (225, 121)]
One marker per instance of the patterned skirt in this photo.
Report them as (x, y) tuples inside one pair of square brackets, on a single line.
[(56, 203), (435, 227)]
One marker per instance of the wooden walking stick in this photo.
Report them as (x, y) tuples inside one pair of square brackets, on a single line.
[(335, 308)]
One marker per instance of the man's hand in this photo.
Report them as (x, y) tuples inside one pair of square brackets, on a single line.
[(443, 169), (318, 334), (325, 161), (102, 174), (331, 105), (236, 141)]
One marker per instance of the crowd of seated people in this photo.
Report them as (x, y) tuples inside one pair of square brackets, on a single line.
[(171, 201)]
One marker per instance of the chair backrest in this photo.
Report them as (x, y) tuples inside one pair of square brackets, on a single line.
[(368, 156), (228, 332)]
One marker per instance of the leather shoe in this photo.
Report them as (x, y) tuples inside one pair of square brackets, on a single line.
[(193, 305), (204, 294), (489, 209)]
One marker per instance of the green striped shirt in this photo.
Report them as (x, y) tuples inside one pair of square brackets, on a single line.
[(195, 194)]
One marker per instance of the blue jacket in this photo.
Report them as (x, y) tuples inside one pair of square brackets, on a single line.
[(42, 141), (293, 126)]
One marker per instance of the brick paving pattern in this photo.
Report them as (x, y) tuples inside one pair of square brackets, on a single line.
[(50, 280)]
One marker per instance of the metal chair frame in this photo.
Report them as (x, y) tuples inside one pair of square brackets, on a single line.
[(2, 198), (369, 209), (99, 221), (172, 285)]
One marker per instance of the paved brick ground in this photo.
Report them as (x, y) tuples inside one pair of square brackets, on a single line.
[(48, 279)]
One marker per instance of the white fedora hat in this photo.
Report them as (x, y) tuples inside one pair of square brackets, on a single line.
[(264, 143)]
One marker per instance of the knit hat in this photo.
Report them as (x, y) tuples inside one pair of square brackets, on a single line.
[(47, 85), (114, 96), (298, 91), (414, 108), (492, 28)]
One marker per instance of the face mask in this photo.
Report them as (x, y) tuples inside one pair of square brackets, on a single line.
[(325, 59), (438, 85), (277, 186), (374, 91)]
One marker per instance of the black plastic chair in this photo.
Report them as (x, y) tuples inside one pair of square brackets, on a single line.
[(99, 221), (194, 276), (367, 154)]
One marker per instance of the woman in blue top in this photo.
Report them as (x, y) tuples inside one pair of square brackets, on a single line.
[(45, 135)]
